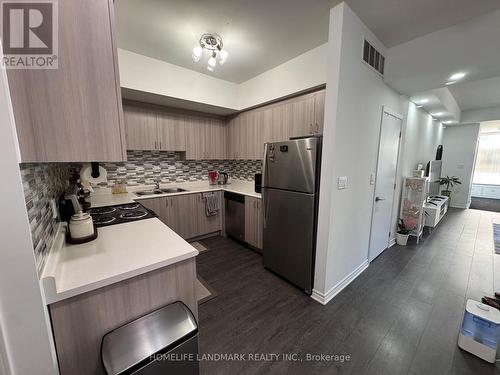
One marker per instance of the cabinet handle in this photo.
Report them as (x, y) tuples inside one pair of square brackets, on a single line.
[(156, 145), (160, 145)]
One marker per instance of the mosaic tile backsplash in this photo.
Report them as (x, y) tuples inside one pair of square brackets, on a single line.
[(41, 183), (44, 181), (145, 167)]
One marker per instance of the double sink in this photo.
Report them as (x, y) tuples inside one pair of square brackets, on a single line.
[(159, 191)]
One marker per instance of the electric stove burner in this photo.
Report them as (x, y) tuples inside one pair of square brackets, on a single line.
[(128, 207), (132, 215), (103, 220), (102, 210)]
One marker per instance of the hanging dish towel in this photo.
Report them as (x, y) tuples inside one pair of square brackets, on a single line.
[(211, 204)]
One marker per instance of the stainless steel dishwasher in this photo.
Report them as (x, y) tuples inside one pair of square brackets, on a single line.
[(235, 215)]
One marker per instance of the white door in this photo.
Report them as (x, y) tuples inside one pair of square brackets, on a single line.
[(385, 181)]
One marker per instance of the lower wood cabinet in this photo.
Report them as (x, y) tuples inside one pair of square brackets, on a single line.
[(253, 222), (80, 322), (185, 214)]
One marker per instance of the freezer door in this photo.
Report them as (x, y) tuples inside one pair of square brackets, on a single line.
[(288, 247), (291, 165)]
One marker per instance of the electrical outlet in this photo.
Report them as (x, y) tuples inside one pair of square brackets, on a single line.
[(342, 183), (372, 179)]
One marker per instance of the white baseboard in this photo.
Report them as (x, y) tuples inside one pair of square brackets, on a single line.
[(328, 296), (392, 242)]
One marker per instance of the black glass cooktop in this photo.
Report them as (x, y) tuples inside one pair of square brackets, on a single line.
[(125, 213)]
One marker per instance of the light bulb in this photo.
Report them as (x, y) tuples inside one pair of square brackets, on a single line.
[(223, 54), (212, 62), (197, 51)]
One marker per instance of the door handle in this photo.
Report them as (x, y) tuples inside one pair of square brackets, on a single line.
[(379, 199)]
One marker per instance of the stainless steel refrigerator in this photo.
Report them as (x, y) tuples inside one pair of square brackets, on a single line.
[(290, 191)]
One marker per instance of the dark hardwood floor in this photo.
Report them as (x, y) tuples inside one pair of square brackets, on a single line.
[(400, 316)]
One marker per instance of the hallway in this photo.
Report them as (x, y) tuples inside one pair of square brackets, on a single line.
[(401, 316)]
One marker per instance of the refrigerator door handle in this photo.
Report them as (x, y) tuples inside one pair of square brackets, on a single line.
[(265, 210)]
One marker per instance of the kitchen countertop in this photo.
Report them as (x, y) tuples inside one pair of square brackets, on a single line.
[(120, 252), (103, 197)]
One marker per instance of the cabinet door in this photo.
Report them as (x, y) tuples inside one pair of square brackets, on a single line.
[(184, 210), (171, 131), (301, 115), (207, 224), (254, 135), (253, 222), (281, 121), (214, 141), (73, 113), (141, 128), (193, 130), (232, 130), (319, 111), (153, 204)]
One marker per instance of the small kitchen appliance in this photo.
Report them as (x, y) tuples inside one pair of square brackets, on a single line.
[(480, 330), (212, 177), (223, 178), (125, 213)]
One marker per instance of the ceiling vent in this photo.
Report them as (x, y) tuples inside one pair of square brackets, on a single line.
[(373, 57)]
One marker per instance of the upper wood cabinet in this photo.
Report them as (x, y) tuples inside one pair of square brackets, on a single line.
[(141, 128), (206, 138), (295, 117), (149, 128), (73, 113)]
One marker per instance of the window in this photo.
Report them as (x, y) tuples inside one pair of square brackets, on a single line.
[(488, 160)]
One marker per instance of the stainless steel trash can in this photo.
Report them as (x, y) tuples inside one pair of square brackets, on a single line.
[(162, 342)]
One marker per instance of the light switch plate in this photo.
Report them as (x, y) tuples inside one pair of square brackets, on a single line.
[(342, 183), (372, 179)]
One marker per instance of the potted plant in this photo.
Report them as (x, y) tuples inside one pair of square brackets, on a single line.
[(450, 182), (402, 234)]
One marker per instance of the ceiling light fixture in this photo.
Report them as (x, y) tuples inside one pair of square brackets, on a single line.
[(457, 76), (437, 114), (213, 44), (422, 101), (448, 122)]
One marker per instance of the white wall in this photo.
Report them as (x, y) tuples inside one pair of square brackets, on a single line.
[(142, 73), (300, 73), (420, 138), (22, 312), (354, 99), (459, 154)]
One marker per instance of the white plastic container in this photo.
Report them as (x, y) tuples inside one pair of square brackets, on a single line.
[(480, 330), (81, 226)]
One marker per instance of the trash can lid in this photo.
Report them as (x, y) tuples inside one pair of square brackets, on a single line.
[(483, 311), (136, 341)]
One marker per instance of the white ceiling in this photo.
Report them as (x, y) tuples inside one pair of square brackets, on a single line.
[(398, 21), (477, 94), (424, 64), (261, 34), (257, 34)]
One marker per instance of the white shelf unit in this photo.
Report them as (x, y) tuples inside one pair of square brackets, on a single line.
[(413, 199), (435, 209)]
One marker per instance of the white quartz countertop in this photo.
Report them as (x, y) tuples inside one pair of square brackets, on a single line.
[(103, 197), (120, 252)]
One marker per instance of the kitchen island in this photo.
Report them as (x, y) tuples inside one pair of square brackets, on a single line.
[(130, 270)]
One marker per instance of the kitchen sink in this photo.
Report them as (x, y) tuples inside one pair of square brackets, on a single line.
[(173, 190), (159, 191)]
